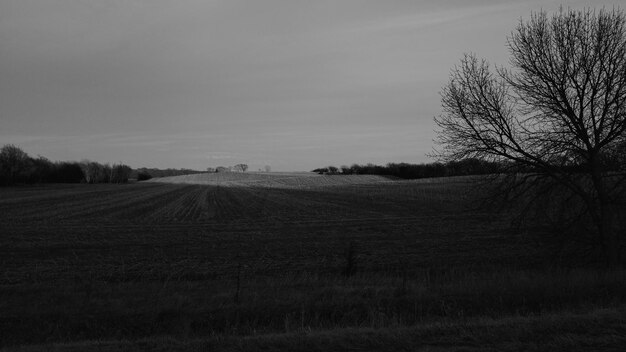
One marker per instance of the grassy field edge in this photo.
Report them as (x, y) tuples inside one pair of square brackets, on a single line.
[(596, 329)]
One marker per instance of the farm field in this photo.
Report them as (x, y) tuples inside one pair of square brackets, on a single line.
[(297, 180), (285, 261)]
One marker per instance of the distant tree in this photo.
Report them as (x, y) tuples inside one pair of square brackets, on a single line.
[(240, 167), (210, 169), (559, 112), (120, 173), (329, 170), (143, 176), (104, 173), (163, 173), (89, 171), (94, 172), (268, 168), (321, 170), (13, 164), (41, 170), (68, 172), (221, 169), (414, 171), (17, 166)]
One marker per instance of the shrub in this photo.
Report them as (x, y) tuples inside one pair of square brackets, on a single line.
[(143, 176)]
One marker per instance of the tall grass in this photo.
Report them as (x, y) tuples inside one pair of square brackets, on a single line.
[(294, 303), (592, 330)]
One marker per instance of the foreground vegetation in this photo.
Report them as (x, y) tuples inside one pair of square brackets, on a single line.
[(298, 262), (601, 329)]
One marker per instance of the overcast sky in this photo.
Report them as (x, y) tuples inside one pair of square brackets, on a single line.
[(291, 84)]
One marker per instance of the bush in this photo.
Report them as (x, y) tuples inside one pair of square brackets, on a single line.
[(143, 176)]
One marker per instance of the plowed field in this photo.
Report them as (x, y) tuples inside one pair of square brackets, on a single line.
[(141, 231), (245, 254)]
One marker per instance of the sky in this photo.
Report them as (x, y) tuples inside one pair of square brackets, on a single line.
[(293, 84)]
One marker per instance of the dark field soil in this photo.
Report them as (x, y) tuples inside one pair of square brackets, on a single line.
[(190, 266)]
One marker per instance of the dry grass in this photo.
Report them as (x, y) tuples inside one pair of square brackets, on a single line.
[(591, 330), (299, 180)]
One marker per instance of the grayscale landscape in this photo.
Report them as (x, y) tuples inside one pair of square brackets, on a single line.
[(292, 176)]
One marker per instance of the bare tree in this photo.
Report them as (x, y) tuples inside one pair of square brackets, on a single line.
[(13, 164), (558, 113), (240, 167), (120, 173)]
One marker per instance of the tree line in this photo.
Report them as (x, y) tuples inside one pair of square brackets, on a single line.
[(414, 171), (143, 173), (17, 167), (236, 168)]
